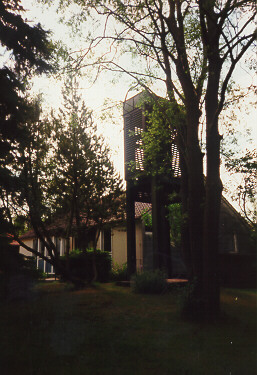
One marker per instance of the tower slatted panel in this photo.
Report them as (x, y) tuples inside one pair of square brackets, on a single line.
[(175, 160), (134, 124), (134, 156)]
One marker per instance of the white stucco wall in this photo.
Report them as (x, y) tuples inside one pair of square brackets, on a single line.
[(119, 245), (25, 252), (139, 245)]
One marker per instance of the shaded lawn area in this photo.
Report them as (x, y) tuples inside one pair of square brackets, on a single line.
[(109, 330)]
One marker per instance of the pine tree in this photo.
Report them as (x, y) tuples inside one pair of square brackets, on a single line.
[(85, 187), (26, 50)]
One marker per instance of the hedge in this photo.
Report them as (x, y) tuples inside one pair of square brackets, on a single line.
[(81, 265)]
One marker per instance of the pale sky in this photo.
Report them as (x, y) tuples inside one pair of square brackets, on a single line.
[(95, 95)]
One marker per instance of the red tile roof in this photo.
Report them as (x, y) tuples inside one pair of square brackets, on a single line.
[(141, 207)]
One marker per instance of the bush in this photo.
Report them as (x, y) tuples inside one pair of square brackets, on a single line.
[(81, 265), (149, 282), (17, 274), (119, 272)]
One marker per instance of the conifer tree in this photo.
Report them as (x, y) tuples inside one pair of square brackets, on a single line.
[(26, 50)]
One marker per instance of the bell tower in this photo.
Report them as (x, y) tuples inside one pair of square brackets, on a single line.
[(144, 187)]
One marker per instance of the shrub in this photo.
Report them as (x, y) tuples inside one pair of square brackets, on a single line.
[(17, 274), (119, 272), (149, 282), (81, 265)]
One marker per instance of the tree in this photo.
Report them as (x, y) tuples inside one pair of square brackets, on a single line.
[(196, 47), (241, 165), (22, 200), (85, 187), (26, 50), (245, 166), (67, 179)]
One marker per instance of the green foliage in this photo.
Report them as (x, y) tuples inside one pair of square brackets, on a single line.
[(28, 44), (245, 166), (163, 120), (149, 282), (83, 184), (67, 177), (146, 216), (75, 252), (29, 51), (119, 272), (81, 264), (25, 50), (175, 218)]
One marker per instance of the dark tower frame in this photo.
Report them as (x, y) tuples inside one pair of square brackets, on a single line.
[(141, 187)]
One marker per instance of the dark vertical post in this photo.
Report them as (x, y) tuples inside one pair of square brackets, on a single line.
[(131, 229), (161, 233), (155, 223), (166, 263)]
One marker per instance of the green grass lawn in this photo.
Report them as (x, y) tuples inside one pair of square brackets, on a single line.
[(109, 330)]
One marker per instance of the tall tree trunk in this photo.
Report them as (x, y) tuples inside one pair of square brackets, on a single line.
[(213, 193), (196, 195), (185, 237), (211, 226)]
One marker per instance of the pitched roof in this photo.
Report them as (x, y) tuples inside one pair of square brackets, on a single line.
[(28, 235), (141, 207), (60, 225)]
